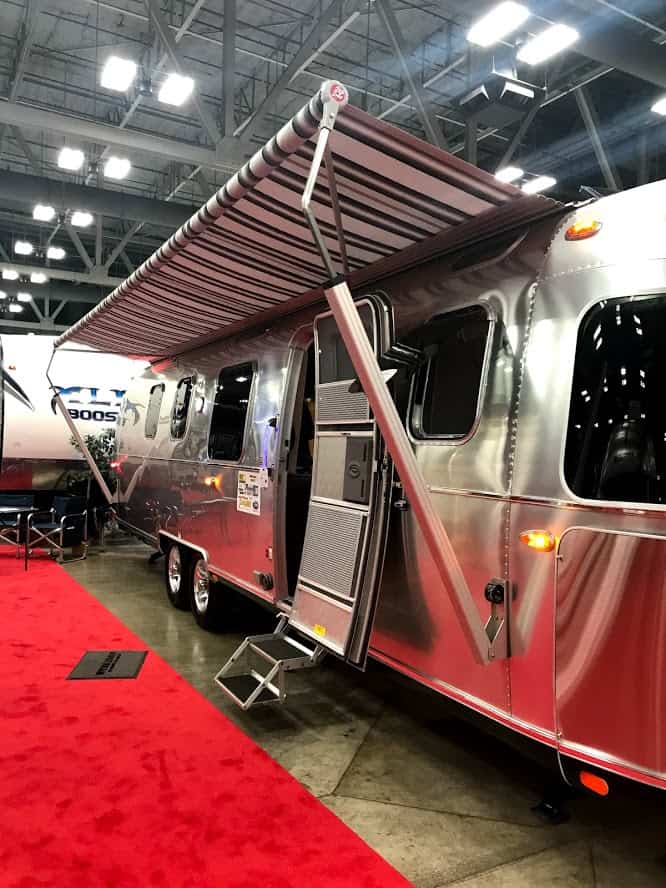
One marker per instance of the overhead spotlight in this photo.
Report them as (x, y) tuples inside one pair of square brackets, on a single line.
[(509, 174), (15, 308), (81, 219), (502, 20), (55, 253), (118, 74), (117, 168), (43, 213), (547, 44), (38, 277), (23, 248), (70, 159), (3, 295), (24, 297), (9, 274), (541, 183), (659, 107), (175, 90)]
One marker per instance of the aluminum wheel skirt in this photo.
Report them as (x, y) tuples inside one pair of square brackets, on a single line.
[(249, 251)]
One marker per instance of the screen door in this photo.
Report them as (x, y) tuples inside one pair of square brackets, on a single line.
[(345, 536)]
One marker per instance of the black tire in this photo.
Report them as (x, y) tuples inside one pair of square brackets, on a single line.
[(205, 597), (176, 573)]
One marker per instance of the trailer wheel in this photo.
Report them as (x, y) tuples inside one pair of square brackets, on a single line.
[(205, 599), (175, 577)]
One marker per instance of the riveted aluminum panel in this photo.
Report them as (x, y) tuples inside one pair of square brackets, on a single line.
[(610, 646)]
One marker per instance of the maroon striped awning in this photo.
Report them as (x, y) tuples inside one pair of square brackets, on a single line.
[(248, 251)]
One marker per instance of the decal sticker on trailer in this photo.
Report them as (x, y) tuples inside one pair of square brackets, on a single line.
[(248, 493)]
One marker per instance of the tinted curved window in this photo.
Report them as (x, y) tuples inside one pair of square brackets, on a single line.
[(153, 410), (181, 406), (616, 436), (448, 383), (232, 396)]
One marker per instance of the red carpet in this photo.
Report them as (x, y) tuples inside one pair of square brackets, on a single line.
[(140, 783)]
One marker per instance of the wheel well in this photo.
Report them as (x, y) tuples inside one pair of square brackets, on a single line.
[(187, 549)]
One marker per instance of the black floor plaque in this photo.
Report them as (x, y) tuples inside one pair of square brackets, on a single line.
[(109, 664)]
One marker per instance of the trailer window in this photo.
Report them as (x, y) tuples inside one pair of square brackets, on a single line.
[(448, 383), (153, 411), (181, 406), (232, 397), (616, 437)]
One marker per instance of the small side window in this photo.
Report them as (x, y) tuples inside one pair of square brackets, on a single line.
[(449, 382), (227, 428), (181, 406), (153, 411)]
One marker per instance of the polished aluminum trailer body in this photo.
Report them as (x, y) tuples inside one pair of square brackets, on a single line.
[(459, 473), (586, 628)]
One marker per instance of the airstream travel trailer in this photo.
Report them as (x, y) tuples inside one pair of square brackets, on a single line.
[(434, 439), (35, 445)]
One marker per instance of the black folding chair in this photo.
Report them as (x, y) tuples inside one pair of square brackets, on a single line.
[(64, 527), (15, 508)]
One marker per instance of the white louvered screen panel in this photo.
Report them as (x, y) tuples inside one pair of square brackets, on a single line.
[(335, 403), (331, 549)]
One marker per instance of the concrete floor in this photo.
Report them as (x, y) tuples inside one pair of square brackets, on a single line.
[(445, 802)]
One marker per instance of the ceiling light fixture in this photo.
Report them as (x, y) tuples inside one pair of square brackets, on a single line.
[(117, 168), (24, 297), (175, 90), (502, 20), (3, 295), (118, 74), (9, 274), (70, 159), (509, 174), (15, 308), (55, 253), (23, 248), (547, 44), (43, 213), (81, 218), (541, 183), (659, 106), (38, 277)]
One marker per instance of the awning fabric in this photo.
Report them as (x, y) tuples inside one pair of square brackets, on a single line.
[(249, 250)]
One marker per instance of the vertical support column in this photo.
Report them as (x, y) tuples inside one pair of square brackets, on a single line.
[(229, 66), (643, 157), (99, 224), (443, 554), (591, 121), (419, 95), (471, 143)]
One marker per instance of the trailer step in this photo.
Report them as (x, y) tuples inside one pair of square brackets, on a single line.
[(255, 672)]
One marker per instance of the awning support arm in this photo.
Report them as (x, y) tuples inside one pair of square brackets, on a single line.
[(334, 97), (351, 329), (487, 642), (76, 434)]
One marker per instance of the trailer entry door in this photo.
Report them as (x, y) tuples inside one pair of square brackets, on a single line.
[(345, 535)]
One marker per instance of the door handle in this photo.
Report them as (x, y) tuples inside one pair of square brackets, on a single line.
[(402, 505)]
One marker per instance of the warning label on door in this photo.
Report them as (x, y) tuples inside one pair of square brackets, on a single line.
[(248, 494)]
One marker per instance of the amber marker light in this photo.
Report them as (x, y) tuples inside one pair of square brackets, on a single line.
[(594, 783), (582, 229), (541, 540), (212, 481)]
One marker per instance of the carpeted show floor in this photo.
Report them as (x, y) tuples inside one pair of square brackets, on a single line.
[(140, 782)]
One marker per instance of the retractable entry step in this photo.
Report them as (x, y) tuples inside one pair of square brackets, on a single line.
[(255, 672)]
